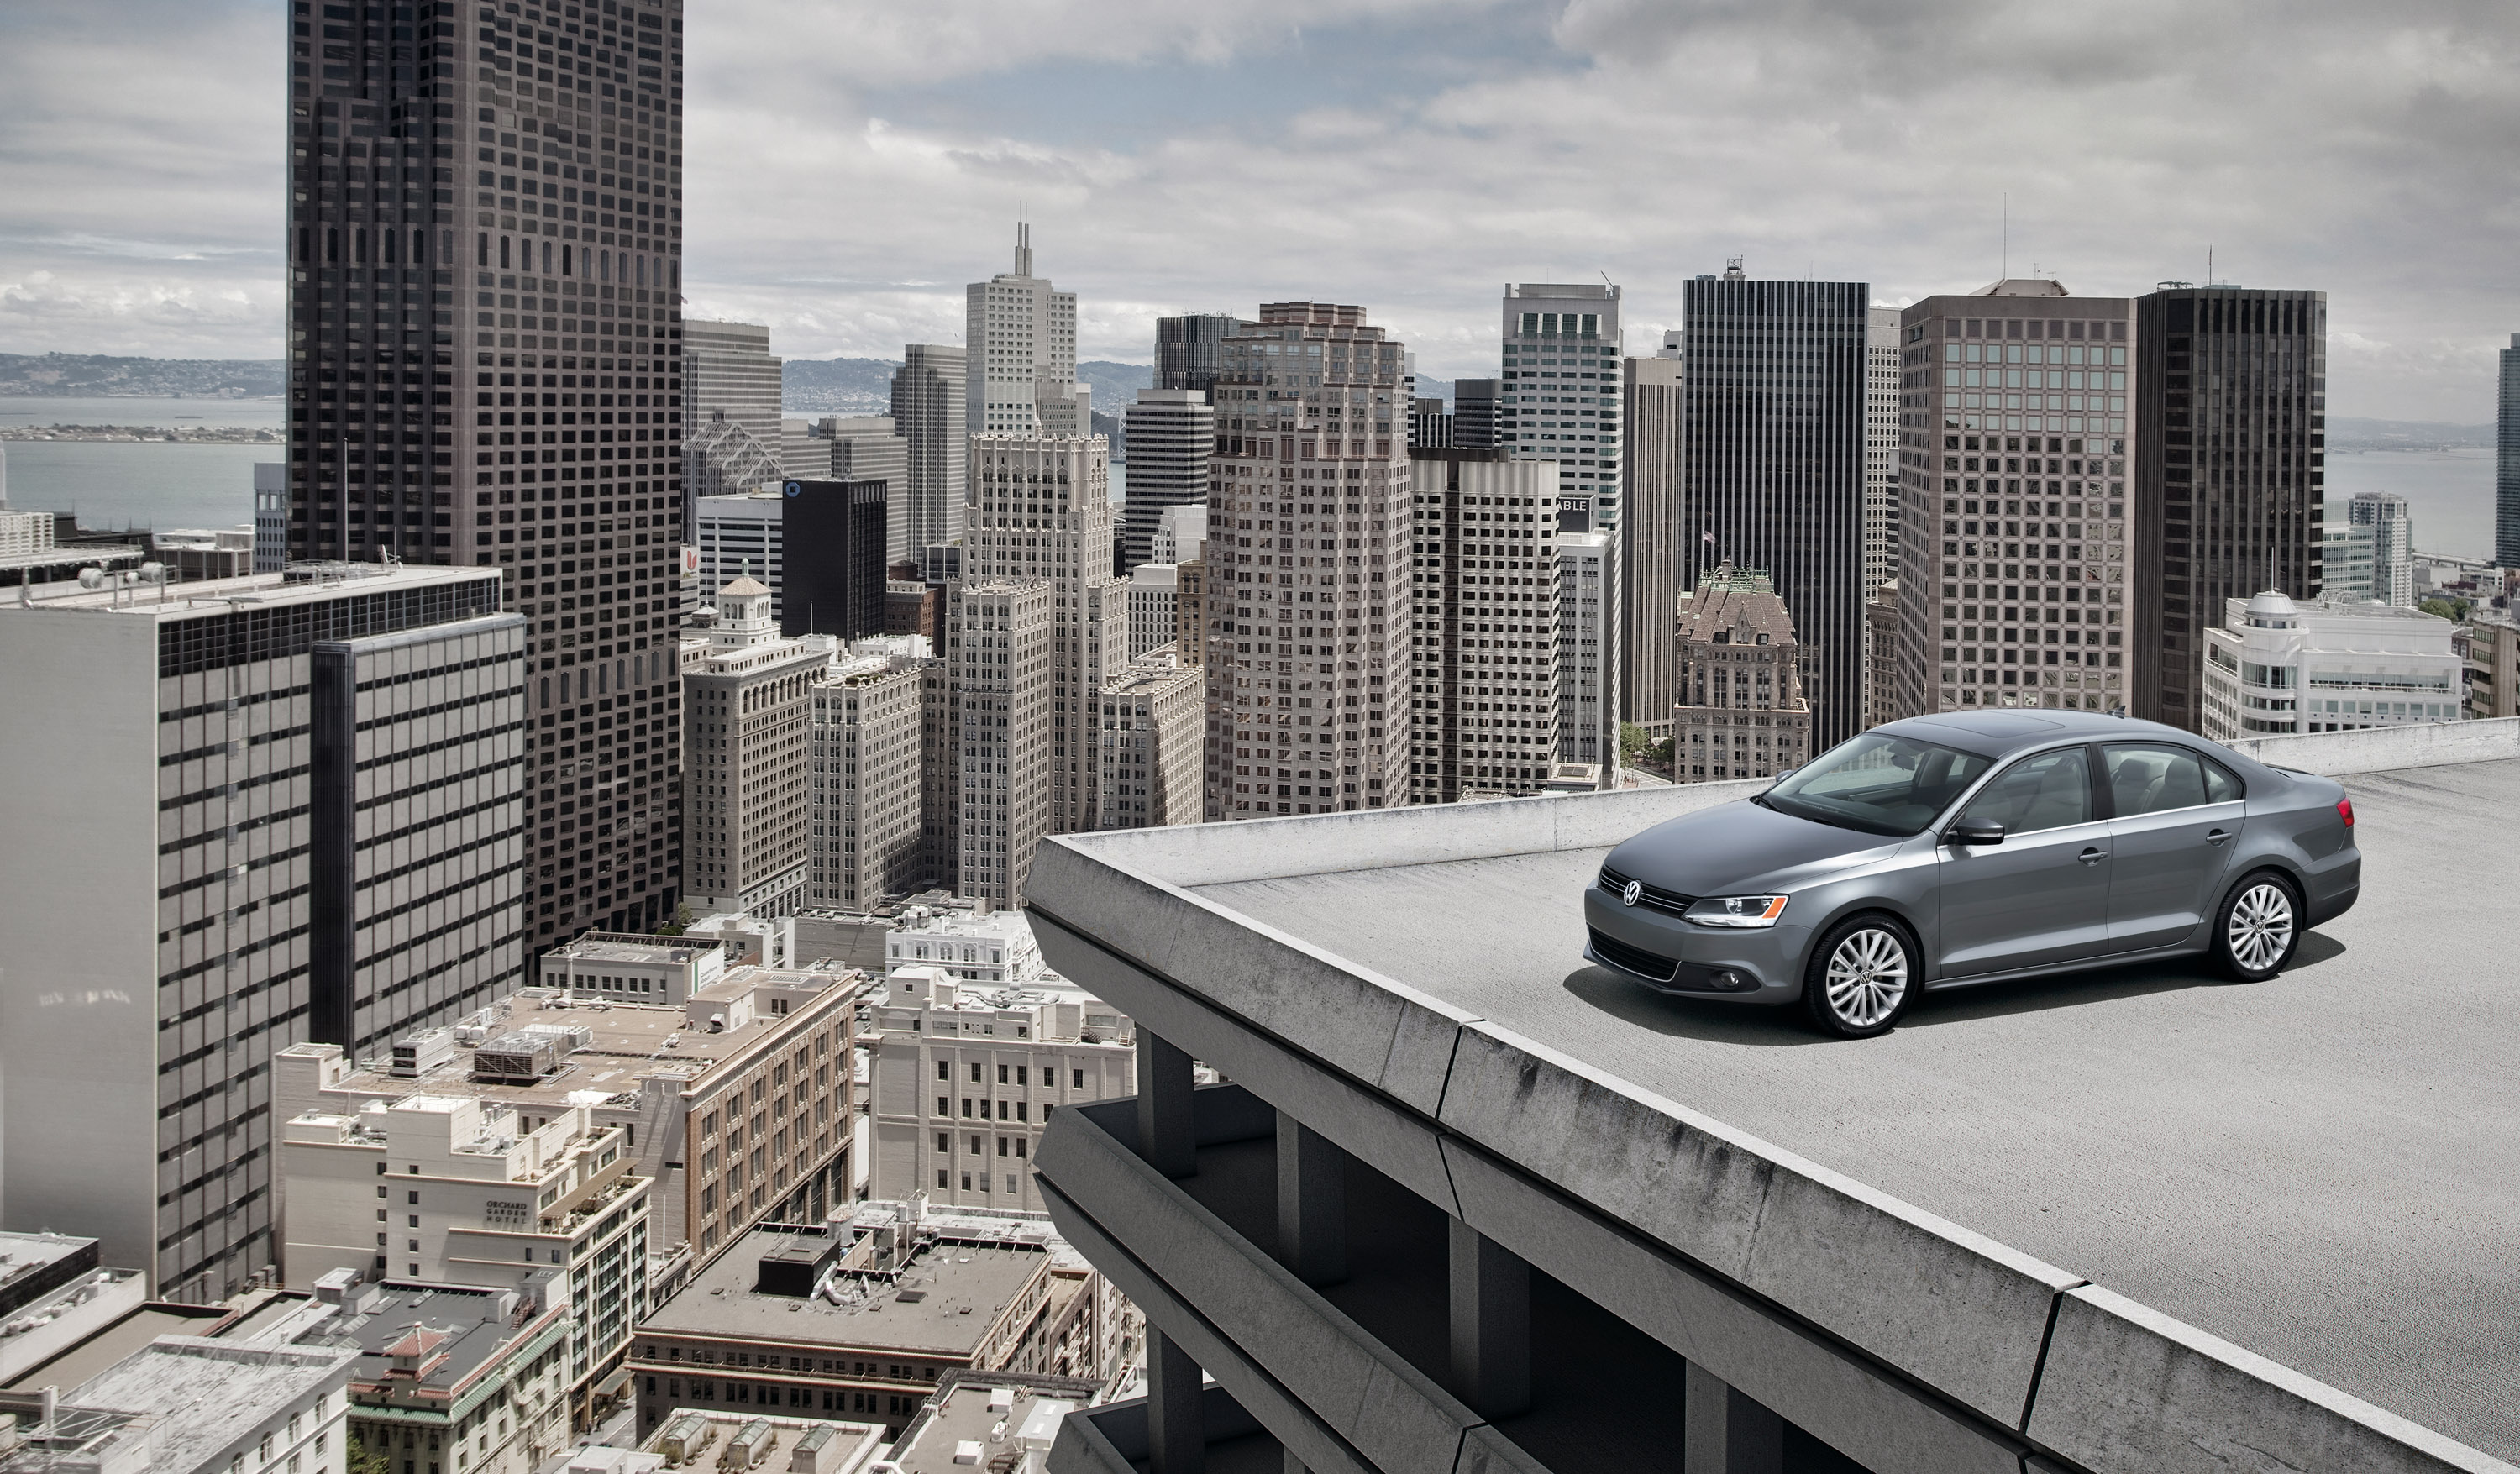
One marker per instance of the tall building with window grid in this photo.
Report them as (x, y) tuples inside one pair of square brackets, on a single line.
[(1308, 527), (485, 248), (2014, 579), (1020, 353), (2230, 414), (1488, 635), (1773, 470)]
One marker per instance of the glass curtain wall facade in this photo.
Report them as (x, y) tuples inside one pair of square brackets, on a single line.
[(2230, 428), (1773, 468)]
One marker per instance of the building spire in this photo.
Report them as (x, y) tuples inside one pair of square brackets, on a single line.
[(1023, 244)]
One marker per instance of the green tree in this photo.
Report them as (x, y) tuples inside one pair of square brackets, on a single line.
[(2455, 609), (362, 1460), (681, 922)]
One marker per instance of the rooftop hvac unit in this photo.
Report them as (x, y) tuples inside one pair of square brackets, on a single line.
[(570, 1038), (520, 1057), (685, 1437), (750, 1446), (416, 1055)]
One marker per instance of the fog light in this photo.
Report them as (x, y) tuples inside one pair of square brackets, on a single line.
[(1731, 981)]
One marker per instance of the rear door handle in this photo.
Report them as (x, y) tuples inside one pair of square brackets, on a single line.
[(2216, 837), (2092, 856)]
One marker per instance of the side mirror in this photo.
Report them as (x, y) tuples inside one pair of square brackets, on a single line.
[(1975, 833)]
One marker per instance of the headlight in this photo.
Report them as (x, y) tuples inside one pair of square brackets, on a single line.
[(1737, 910)]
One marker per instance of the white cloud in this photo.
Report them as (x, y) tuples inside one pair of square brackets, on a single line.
[(850, 166)]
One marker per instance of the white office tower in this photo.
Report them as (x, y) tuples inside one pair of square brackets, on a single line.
[(867, 776), (1151, 742), (2280, 664), (731, 434), (2392, 544), (998, 657), (1154, 597), (1881, 447), (966, 1074), (868, 448), (929, 413), (1180, 533), (1170, 436), (1485, 715), (747, 703), (1040, 510), (1563, 393), (1586, 628), (1019, 351), (740, 535), (249, 813), (1306, 661)]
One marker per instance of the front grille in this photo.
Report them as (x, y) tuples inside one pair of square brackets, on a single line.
[(1652, 897), (1635, 960)]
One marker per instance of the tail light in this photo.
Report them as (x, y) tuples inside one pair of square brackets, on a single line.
[(2345, 811)]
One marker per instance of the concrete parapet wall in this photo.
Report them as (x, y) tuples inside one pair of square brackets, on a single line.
[(2378, 749)]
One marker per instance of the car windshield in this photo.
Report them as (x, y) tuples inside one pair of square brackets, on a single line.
[(1878, 783)]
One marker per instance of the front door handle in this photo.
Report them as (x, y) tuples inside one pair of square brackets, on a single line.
[(2216, 837), (2092, 856)]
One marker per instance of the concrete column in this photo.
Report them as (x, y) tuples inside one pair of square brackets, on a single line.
[(1491, 1325), (1167, 1136), (1294, 1465), (1723, 1432), (1176, 1443), (1312, 1204)]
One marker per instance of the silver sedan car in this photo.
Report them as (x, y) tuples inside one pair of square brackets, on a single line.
[(1977, 847)]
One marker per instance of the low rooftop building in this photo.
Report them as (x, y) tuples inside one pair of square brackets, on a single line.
[(635, 968), (187, 1405), (977, 1421), (476, 1376)]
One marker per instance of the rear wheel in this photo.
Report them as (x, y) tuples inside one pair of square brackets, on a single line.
[(1860, 978), (2259, 927)]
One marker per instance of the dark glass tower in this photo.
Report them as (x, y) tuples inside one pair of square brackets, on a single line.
[(1189, 349), (2506, 473), (485, 368), (831, 559), (1772, 464), (2230, 413)]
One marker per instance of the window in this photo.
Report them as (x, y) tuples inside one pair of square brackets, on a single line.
[(1877, 784), (944, 1070), (2150, 777), (2046, 790)]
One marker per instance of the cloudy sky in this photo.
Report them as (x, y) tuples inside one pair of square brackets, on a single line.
[(851, 164)]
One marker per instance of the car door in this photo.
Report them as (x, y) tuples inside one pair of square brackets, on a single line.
[(2175, 822), (2041, 895)]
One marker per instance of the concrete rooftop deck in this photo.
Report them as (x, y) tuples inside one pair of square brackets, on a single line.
[(2317, 1170)]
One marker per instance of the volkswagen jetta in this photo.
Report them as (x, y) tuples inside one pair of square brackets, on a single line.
[(1977, 847)]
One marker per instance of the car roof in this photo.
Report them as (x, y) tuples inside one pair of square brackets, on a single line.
[(2000, 733)]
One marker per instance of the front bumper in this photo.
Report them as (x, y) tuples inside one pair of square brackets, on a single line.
[(1762, 965)]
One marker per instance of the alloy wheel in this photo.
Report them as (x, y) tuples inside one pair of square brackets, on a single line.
[(1868, 976), (2259, 931)]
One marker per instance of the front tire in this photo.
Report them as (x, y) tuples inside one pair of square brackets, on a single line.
[(1861, 978), (2259, 927)]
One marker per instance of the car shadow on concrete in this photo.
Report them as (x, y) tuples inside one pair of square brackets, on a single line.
[(1633, 1002)]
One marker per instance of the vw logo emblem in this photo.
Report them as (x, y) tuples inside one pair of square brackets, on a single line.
[(1636, 888)]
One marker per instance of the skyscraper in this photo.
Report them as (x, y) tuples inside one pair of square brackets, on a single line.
[(1474, 413), (1774, 383), (832, 540), (2230, 418), (1650, 557), (1191, 349), (2013, 582), (2506, 473), (1040, 511), (999, 665), (1741, 709), (1487, 625), (1019, 351), (2392, 544), (1171, 433), (928, 413), (867, 784), (271, 809), (529, 417), (1306, 668), (729, 376), (1881, 447), (747, 699)]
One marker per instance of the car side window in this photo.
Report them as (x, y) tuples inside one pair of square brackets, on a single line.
[(2155, 777), (2047, 790)]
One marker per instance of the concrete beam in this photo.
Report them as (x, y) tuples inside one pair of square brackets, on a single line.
[(1723, 1432), (2128, 1389), (1167, 1130), (1175, 1435), (1490, 1324), (2384, 749), (1311, 1203)]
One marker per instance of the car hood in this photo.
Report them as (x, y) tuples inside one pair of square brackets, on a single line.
[(1741, 848)]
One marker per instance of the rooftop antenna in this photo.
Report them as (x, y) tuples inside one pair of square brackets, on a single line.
[(2004, 271), (2209, 264)]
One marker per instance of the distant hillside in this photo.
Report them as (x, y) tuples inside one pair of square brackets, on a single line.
[(838, 386), (1115, 386), (2347, 432), (92, 376)]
